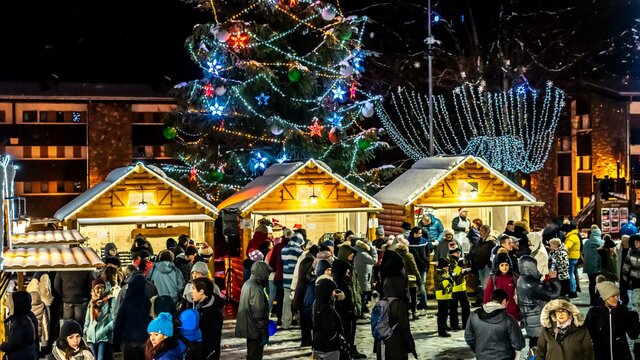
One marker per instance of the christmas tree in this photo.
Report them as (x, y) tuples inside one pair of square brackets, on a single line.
[(280, 83)]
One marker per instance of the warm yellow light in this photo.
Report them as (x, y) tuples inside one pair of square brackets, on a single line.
[(474, 193), (143, 205), (313, 199)]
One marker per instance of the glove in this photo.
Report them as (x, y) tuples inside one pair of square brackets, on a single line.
[(265, 341)]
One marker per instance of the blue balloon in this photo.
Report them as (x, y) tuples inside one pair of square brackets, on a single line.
[(273, 327)]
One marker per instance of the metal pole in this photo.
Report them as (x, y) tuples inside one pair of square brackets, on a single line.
[(429, 61)]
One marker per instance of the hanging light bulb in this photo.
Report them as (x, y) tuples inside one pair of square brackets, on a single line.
[(313, 198), (474, 193), (143, 205)]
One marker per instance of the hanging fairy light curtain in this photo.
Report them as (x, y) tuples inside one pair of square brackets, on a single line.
[(512, 130)]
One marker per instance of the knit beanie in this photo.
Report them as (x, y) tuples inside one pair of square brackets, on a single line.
[(502, 258), (442, 263), (608, 243), (190, 324), (163, 324), (447, 232), (328, 243), (68, 328), (200, 267), (112, 260), (322, 266), (206, 250), (606, 289)]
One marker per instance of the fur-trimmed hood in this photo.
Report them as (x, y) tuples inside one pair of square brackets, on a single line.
[(362, 246), (548, 316)]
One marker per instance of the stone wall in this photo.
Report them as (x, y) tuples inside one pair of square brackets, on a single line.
[(109, 139), (608, 136), (544, 188)]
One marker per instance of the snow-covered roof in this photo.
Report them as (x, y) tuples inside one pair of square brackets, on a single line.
[(115, 177), (427, 172), (277, 175)]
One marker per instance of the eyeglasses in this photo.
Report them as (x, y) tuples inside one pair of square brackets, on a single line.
[(561, 311)]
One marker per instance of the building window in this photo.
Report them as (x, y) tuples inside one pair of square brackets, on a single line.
[(565, 183), (44, 152), (44, 187), (44, 116), (77, 152), (60, 186), (564, 204), (583, 163), (27, 188), (583, 144), (30, 116), (60, 151), (26, 152), (157, 117), (3, 116)]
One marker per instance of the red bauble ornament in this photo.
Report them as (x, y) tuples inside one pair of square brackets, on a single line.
[(335, 135), (208, 90)]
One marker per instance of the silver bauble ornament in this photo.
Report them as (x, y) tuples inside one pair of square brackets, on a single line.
[(328, 13), (220, 90), (346, 70), (222, 35), (367, 112), (276, 130)]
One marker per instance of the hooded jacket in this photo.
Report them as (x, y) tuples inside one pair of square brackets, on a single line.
[(572, 243), (482, 250), (365, 258), (211, 320), (184, 265), (609, 327), (507, 282), (538, 252), (401, 342), (575, 344), (520, 230), (42, 286), (560, 259), (21, 330), (346, 308), (492, 334), (533, 294), (328, 333), (107, 248), (134, 313), (343, 254), (41, 311), (420, 248), (253, 310), (409, 265), (167, 279), (289, 256), (590, 250), (100, 329)]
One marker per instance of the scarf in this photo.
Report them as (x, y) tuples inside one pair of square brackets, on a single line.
[(561, 329), (78, 355), (96, 305), (492, 306)]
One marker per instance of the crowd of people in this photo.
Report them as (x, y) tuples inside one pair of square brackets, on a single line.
[(166, 306), (162, 307)]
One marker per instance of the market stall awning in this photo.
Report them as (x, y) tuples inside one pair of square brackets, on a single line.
[(288, 188), (48, 238), (449, 181), (125, 188), (146, 219), (51, 259)]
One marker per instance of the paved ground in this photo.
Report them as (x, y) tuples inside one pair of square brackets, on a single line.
[(286, 344)]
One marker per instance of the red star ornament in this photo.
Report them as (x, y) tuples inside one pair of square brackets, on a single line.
[(316, 130), (193, 174), (208, 90), (239, 40)]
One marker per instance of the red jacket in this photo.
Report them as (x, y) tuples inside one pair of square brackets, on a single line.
[(275, 261), (507, 282)]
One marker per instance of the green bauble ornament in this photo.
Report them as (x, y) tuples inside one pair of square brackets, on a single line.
[(169, 132), (215, 175), (346, 34), (295, 74), (363, 144)]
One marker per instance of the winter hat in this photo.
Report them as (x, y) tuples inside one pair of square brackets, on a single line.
[(447, 231), (190, 251), (314, 250), (608, 243), (206, 250), (633, 239), (144, 254), (406, 226), (164, 304), (502, 258), (380, 231), (112, 260), (163, 324), (442, 263), (462, 209), (401, 240), (606, 289), (328, 243), (68, 328), (322, 266), (453, 247), (632, 216), (200, 267), (256, 255)]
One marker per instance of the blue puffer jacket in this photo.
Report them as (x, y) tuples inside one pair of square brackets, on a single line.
[(433, 231), (533, 294), (590, 252), (167, 279)]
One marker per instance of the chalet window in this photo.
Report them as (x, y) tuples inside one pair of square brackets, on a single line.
[(3, 116), (77, 152), (564, 204), (59, 116), (27, 188), (30, 116), (583, 144), (26, 152)]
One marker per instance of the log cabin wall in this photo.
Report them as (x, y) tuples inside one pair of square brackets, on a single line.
[(391, 219)]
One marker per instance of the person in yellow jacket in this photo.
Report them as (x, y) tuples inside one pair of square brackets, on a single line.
[(459, 293), (573, 245), (444, 290)]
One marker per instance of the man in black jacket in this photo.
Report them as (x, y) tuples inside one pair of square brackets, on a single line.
[(209, 306), (491, 333), (74, 288)]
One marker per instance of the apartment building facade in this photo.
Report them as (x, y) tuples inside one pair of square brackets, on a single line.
[(68, 137)]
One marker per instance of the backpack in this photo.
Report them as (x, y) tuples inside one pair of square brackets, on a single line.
[(380, 327)]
